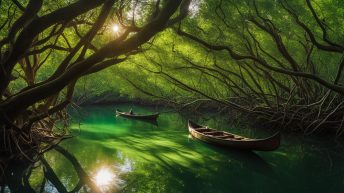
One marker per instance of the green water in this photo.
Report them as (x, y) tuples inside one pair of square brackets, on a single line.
[(122, 155)]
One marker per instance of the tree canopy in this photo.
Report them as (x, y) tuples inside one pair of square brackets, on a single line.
[(280, 61), (67, 40)]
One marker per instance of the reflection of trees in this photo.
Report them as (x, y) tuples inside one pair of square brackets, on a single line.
[(152, 122), (17, 176), (183, 167)]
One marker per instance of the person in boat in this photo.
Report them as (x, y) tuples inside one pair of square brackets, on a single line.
[(131, 111)]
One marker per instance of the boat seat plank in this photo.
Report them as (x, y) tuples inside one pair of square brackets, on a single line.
[(214, 133), (225, 137), (202, 130), (230, 137)]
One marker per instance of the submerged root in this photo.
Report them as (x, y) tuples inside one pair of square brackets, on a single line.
[(19, 147)]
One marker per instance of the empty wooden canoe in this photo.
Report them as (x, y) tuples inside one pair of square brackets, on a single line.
[(230, 140), (137, 116)]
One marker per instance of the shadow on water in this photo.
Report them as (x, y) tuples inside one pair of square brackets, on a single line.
[(165, 159), (15, 177), (248, 159), (150, 121), (178, 159), (183, 179)]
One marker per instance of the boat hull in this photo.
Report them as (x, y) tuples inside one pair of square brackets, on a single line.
[(267, 144), (151, 117)]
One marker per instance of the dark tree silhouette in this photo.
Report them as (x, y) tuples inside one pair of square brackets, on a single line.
[(32, 33)]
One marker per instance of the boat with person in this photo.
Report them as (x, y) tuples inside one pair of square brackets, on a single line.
[(133, 115), (230, 140)]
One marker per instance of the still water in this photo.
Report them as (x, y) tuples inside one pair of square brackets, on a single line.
[(114, 154)]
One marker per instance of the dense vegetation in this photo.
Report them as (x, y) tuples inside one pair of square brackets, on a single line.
[(280, 61), (47, 46)]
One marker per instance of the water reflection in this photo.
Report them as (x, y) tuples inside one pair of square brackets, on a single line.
[(105, 179), (117, 155), (152, 122), (126, 167), (42, 176), (108, 178)]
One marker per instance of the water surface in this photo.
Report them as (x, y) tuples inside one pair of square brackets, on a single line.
[(114, 154)]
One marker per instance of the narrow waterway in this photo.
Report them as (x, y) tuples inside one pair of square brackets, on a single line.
[(114, 154)]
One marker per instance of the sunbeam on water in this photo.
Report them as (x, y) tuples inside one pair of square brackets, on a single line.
[(104, 177), (107, 180), (121, 155)]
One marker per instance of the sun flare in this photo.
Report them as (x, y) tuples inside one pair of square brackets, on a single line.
[(104, 177), (115, 28)]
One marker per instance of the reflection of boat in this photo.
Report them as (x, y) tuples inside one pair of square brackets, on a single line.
[(137, 116), (153, 121), (230, 140)]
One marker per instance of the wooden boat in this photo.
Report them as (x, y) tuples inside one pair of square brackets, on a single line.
[(137, 116), (230, 140)]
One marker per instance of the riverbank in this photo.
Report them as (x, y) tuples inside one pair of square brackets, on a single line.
[(200, 108)]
